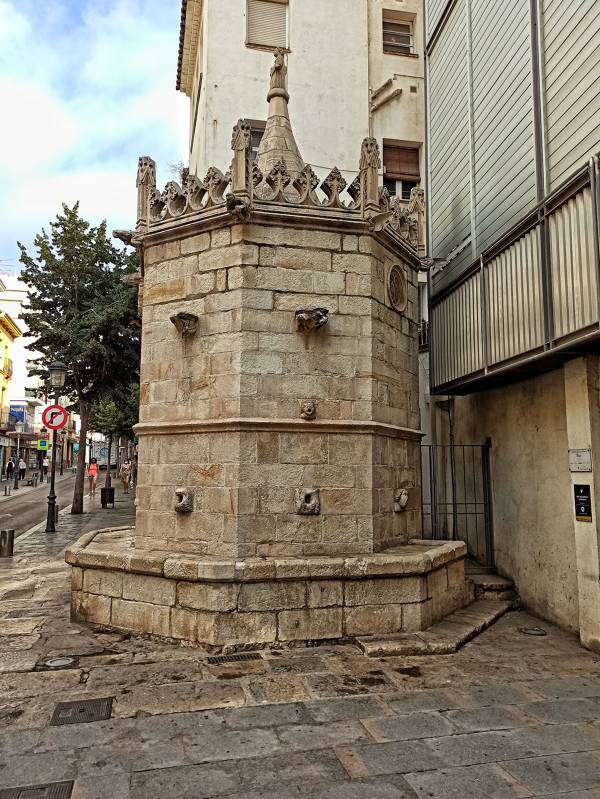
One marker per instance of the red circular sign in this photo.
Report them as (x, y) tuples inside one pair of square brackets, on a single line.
[(55, 417)]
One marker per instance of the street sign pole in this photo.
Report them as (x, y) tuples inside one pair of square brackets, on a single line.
[(55, 418), (51, 518)]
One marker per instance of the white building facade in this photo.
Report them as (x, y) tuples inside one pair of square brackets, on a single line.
[(360, 59)]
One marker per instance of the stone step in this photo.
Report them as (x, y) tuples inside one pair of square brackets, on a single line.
[(495, 587), (443, 638)]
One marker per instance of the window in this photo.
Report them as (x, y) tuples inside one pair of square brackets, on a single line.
[(400, 188), (266, 23), (398, 37), (401, 171), (257, 129)]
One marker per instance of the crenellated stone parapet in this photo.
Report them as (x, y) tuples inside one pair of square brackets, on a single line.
[(243, 190)]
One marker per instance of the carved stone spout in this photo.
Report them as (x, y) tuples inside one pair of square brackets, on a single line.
[(308, 410), (186, 323), (185, 500), (400, 500), (308, 501), (309, 319)]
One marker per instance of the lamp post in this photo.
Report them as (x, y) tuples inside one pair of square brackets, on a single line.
[(19, 429), (58, 373)]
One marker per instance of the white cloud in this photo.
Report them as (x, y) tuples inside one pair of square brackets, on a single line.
[(84, 92)]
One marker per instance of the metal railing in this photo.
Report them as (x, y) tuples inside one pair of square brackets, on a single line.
[(457, 496), (533, 293)]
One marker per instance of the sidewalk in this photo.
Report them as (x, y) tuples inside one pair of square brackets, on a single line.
[(509, 716)]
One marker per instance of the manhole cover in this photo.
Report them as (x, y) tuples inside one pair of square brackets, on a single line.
[(54, 790), (532, 631), (81, 712), (60, 663), (237, 658)]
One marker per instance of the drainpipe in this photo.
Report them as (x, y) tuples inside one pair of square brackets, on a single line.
[(369, 68)]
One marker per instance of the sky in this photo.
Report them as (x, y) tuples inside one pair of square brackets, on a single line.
[(86, 87)]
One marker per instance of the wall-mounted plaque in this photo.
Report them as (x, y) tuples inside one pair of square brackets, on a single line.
[(580, 460)]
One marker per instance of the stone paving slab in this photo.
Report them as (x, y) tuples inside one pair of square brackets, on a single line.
[(507, 717)]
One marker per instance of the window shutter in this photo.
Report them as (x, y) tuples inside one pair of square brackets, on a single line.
[(267, 23), (401, 162)]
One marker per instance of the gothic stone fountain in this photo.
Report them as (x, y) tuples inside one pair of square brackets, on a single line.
[(279, 454)]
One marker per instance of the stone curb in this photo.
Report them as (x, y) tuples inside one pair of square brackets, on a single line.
[(204, 569), (443, 638)]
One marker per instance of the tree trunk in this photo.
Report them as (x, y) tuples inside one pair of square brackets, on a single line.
[(84, 415), (107, 482)]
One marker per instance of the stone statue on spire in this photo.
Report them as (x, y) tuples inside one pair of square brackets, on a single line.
[(279, 71)]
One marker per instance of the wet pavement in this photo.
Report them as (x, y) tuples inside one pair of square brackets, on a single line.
[(509, 716)]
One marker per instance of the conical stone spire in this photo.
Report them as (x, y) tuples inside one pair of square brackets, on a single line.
[(278, 139)]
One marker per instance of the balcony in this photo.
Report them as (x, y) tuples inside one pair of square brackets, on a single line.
[(530, 302), (7, 421)]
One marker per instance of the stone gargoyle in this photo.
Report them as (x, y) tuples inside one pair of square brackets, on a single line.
[(309, 319), (186, 323), (238, 206)]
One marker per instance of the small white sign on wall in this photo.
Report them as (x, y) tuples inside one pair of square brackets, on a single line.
[(580, 460)]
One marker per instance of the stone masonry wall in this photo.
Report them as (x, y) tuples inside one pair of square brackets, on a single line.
[(247, 361), (232, 613)]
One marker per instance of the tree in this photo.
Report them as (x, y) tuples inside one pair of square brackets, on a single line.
[(80, 312), (114, 415)]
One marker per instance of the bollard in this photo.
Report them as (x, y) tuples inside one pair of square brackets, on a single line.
[(7, 543)]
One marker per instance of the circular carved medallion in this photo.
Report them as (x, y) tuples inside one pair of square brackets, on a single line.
[(397, 289)]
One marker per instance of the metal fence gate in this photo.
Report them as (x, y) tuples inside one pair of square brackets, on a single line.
[(457, 496)]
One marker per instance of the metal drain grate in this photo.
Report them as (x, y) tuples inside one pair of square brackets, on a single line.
[(54, 790), (81, 712), (240, 657)]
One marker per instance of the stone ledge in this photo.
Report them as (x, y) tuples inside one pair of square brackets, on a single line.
[(277, 425), (112, 548), (443, 638)]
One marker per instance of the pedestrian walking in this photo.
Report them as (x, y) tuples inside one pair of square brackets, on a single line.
[(10, 469), (134, 471), (45, 464), (22, 469), (125, 475), (92, 474)]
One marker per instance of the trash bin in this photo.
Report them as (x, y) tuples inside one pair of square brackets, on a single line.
[(7, 543), (107, 497)]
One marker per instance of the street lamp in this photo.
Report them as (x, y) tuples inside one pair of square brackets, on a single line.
[(58, 374), (19, 429)]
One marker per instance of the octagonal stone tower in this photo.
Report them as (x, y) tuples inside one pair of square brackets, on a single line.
[(279, 452)]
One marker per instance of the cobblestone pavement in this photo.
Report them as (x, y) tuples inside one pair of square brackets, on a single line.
[(509, 716)]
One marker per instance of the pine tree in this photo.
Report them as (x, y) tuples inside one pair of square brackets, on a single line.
[(80, 312)]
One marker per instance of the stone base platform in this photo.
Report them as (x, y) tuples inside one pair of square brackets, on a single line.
[(227, 603)]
